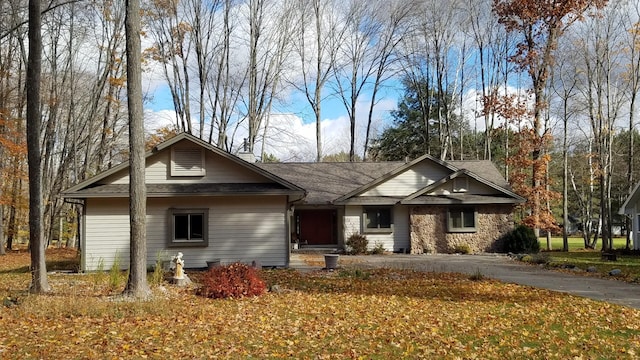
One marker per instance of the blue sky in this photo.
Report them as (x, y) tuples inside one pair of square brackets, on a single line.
[(296, 119)]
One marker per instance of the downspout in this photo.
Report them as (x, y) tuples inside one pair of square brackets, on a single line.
[(290, 212)]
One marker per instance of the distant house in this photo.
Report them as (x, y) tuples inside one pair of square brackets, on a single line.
[(211, 205), (631, 208)]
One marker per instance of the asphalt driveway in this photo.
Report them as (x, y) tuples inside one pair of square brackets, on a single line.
[(502, 268)]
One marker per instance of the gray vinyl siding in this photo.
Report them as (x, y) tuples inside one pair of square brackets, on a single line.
[(352, 219), (635, 227), (409, 181), (401, 232), (217, 170), (395, 241), (106, 224), (240, 229), (475, 187)]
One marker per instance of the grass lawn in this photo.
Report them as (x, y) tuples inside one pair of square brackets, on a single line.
[(577, 243), (584, 258), (346, 314)]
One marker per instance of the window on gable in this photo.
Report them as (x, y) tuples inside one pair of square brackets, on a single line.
[(377, 219), (188, 227), (461, 219), (461, 184), (187, 162)]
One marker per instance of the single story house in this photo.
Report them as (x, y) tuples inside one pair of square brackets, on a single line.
[(212, 205), (631, 208)]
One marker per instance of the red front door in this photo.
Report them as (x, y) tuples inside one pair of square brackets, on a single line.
[(317, 227)]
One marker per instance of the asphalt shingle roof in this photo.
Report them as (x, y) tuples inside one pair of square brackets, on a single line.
[(325, 182)]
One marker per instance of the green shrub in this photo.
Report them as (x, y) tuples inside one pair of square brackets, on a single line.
[(520, 240), (378, 249), (157, 276), (477, 275), (115, 274), (232, 281), (158, 270), (540, 258), (357, 244), (462, 249), (99, 275), (357, 273)]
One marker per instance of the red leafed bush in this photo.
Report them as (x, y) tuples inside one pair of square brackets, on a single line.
[(232, 281)]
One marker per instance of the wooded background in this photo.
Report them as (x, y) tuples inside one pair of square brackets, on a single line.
[(545, 89)]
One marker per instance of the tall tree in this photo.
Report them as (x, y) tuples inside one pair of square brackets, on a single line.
[(393, 17), (39, 282), (225, 83), (492, 48), (565, 88), (633, 77), (318, 37), (407, 138), (540, 24), (356, 64), (604, 101), (137, 285), (172, 48), (269, 45)]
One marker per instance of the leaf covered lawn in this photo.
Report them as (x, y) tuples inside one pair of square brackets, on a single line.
[(346, 314)]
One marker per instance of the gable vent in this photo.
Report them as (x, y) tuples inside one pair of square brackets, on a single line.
[(187, 162)]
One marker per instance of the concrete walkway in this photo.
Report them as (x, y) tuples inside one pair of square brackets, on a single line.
[(498, 267)]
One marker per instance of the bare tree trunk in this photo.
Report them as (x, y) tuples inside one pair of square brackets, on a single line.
[(39, 283), (137, 283), (2, 248)]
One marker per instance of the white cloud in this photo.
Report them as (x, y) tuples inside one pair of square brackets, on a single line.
[(472, 107), (154, 120)]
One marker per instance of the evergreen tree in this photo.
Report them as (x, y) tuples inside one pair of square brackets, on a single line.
[(416, 131)]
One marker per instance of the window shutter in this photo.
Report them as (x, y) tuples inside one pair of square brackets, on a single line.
[(187, 162)]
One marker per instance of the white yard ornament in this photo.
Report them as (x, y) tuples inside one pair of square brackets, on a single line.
[(179, 273)]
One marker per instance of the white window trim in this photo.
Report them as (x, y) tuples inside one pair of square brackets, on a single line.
[(462, 229), (172, 242)]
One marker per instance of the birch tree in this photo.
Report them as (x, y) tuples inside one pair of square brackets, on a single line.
[(604, 101), (632, 76), (172, 49), (491, 47), (319, 34), (394, 19), (226, 82), (269, 47), (356, 63)]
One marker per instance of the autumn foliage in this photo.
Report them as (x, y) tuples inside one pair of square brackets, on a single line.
[(529, 178), (236, 280), (528, 160), (387, 314)]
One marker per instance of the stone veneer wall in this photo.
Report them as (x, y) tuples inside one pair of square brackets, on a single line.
[(429, 229)]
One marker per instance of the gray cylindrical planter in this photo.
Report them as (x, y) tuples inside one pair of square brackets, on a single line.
[(331, 261), (213, 263)]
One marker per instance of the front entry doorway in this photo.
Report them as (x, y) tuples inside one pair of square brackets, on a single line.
[(317, 227)]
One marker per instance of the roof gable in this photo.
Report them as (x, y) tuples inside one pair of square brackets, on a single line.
[(630, 203), (404, 179), (475, 185), (220, 167)]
